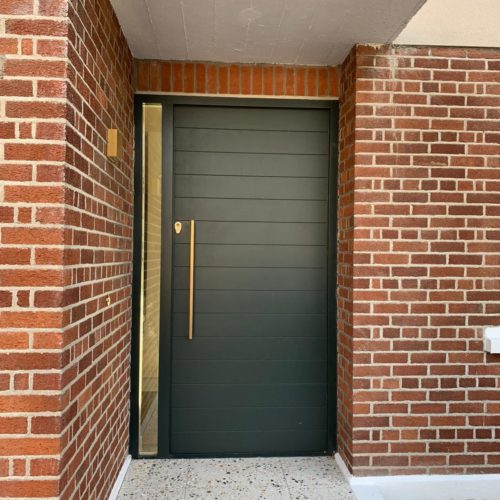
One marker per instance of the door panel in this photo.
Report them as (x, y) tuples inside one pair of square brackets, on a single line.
[(235, 117), (260, 233), (247, 325), (251, 164), (254, 188), (243, 210), (253, 379), (251, 141), (250, 348), (223, 278), (253, 256)]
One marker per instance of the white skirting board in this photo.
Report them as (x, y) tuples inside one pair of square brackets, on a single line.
[(423, 486), (119, 480)]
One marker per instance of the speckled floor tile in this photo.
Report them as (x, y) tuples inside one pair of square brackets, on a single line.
[(234, 492), (304, 478), (337, 492), (207, 473), (175, 472), (160, 494), (311, 471)]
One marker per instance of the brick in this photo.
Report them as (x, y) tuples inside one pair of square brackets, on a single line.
[(300, 81), (14, 340), (52, 48), (290, 82), (268, 80), (212, 79), (155, 76), (52, 7), (200, 85), (18, 7), (46, 425), (312, 82), (166, 77), (32, 236), (143, 76), (30, 194), (34, 68), (39, 27), (44, 467), (245, 80), (234, 79), (13, 425), (177, 77), (256, 80), (51, 88), (34, 152), (188, 77), (8, 46), (279, 80)]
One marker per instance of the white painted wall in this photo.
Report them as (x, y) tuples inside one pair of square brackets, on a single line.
[(468, 23), (264, 31)]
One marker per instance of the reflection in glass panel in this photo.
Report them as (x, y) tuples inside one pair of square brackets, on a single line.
[(150, 296)]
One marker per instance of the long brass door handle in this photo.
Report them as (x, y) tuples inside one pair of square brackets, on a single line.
[(191, 282)]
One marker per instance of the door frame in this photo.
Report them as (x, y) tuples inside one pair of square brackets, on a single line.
[(166, 280)]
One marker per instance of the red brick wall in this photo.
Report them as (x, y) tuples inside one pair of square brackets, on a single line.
[(425, 247), (418, 247), (98, 253), (345, 257), (65, 236), (32, 278), (236, 79)]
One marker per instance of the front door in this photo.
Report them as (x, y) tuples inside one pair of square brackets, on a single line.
[(249, 370)]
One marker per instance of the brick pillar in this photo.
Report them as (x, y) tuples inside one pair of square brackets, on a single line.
[(65, 247), (425, 252), (345, 258), (32, 278)]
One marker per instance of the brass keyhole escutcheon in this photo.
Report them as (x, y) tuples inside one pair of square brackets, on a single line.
[(178, 227)]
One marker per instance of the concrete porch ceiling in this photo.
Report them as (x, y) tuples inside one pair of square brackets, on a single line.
[(309, 32)]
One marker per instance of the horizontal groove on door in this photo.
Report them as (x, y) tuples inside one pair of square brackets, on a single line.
[(246, 210), (253, 379), (251, 118), (250, 141), (224, 278), (249, 419), (250, 164), (256, 395), (249, 371), (223, 301), (269, 188), (263, 233), (250, 348), (252, 325), (251, 256)]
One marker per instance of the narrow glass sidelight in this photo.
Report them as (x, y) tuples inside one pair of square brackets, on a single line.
[(150, 278)]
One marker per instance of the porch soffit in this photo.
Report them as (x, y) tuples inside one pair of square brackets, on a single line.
[(301, 32)]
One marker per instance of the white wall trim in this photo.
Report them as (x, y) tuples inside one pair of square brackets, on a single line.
[(429, 478), (119, 480), (367, 487), (343, 468)]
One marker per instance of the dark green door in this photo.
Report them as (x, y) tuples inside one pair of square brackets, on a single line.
[(253, 380)]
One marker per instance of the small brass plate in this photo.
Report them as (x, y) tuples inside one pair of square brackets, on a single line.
[(178, 227)]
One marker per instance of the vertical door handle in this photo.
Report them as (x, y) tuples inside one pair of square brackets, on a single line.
[(191, 282)]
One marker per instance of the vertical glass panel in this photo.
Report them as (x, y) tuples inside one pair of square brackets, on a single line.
[(150, 296)]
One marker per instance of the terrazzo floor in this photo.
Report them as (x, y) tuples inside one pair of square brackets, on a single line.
[(311, 478)]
